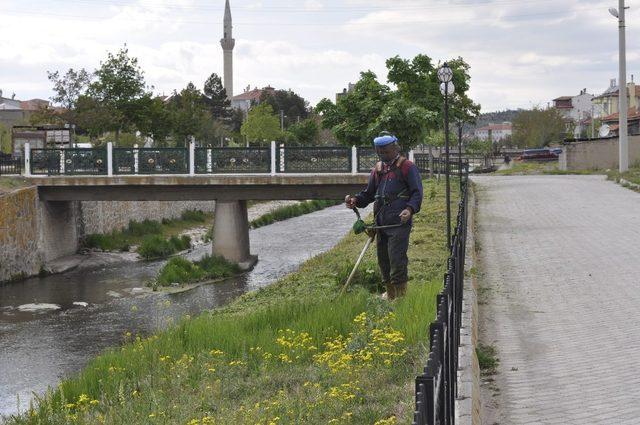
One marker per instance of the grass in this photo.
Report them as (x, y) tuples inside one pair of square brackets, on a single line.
[(632, 175), (293, 352), (182, 271), (535, 168), (155, 239), (8, 184), (290, 211), (156, 246), (487, 358)]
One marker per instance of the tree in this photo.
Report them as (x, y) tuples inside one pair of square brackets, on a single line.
[(538, 127), (189, 113), (407, 121), (305, 132), (261, 124), (215, 97), (292, 105), (155, 119), (120, 87), (70, 87), (353, 115)]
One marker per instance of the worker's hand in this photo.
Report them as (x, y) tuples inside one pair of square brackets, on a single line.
[(405, 215), (350, 201)]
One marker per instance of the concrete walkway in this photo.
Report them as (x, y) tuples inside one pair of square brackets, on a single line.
[(560, 263)]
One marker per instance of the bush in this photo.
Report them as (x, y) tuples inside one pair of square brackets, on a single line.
[(155, 246), (181, 271)]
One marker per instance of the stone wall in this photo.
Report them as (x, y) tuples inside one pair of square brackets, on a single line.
[(597, 154), (19, 253), (107, 216)]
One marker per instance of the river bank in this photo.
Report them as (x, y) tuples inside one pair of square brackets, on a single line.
[(39, 348), (292, 352)]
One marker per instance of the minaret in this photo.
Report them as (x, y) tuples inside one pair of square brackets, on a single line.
[(228, 43)]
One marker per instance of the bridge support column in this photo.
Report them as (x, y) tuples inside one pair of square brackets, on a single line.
[(231, 233)]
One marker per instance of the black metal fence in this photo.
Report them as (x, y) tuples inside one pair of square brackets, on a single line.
[(10, 166), (436, 387), (150, 161)]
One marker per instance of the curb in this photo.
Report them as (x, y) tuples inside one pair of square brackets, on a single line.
[(468, 405)]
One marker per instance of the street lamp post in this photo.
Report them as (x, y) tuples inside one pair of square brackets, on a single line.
[(623, 138), (445, 75)]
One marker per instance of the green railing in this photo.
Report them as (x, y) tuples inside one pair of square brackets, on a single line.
[(150, 161), (314, 159), (46, 162), (85, 161), (367, 159), (232, 160)]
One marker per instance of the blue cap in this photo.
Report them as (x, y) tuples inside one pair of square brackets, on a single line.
[(385, 140)]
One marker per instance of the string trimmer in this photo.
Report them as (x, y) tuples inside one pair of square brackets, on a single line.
[(360, 227)]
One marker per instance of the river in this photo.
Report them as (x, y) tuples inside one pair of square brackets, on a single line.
[(94, 308)]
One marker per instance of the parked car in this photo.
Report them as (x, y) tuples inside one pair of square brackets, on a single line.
[(557, 151), (544, 154)]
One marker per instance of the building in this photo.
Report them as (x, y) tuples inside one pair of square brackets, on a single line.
[(577, 111), (494, 132), (228, 43), (349, 89), (39, 137), (17, 112), (250, 98), (607, 103), (633, 122)]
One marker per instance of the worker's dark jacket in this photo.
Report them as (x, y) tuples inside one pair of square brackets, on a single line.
[(393, 189)]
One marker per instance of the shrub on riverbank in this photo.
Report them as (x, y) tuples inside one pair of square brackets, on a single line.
[(155, 246), (294, 352), (182, 271), (290, 211), (136, 233)]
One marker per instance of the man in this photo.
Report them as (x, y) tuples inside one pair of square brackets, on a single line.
[(395, 186)]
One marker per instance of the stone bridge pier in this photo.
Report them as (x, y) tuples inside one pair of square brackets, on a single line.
[(231, 233)]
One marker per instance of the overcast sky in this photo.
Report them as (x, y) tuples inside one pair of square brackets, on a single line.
[(522, 52)]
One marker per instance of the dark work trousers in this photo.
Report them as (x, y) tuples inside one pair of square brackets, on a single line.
[(392, 245)]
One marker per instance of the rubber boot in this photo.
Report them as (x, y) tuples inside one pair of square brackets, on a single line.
[(401, 289), (391, 291)]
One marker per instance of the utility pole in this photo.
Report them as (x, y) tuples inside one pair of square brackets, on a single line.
[(281, 120), (622, 92)]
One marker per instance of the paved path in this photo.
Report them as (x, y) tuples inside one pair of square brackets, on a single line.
[(560, 257)]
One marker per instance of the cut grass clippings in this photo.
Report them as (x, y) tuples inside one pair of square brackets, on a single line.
[(293, 352)]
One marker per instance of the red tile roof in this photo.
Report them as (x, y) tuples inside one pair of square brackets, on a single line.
[(633, 114), (33, 104), (254, 94), (563, 98)]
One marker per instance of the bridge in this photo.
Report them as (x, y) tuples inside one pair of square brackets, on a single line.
[(230, 176)]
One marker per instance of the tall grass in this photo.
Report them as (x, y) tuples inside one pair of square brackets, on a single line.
[(156, 246), (285, 354), (290, 211), (181, 271)]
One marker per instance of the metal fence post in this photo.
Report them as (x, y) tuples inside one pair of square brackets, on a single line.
[(27, 159), (412, 156), (110, 159), (192, 158), (354, 160), (273, 158), (136, 165)]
